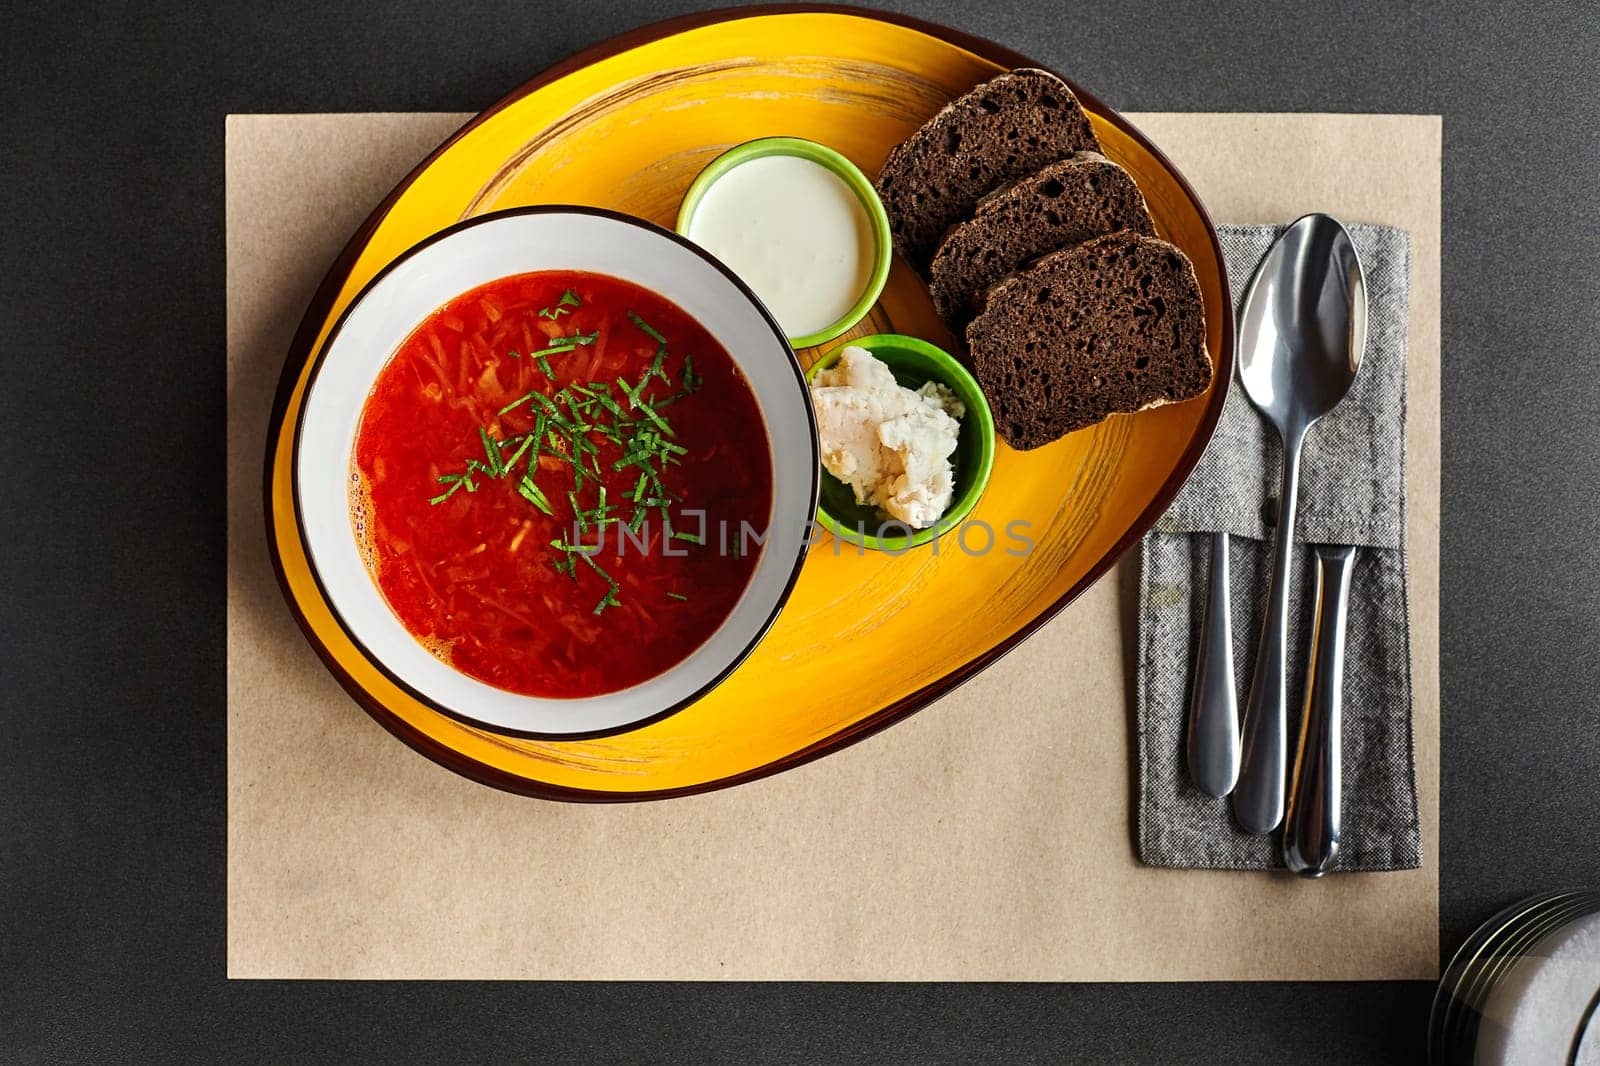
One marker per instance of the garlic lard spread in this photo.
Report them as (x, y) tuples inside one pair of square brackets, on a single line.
[(890, 444)]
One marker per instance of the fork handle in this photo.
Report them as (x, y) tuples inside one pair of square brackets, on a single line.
[(1311, 828)]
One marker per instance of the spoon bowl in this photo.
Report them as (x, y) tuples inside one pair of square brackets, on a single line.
[(1303, 329), (1302, 335)]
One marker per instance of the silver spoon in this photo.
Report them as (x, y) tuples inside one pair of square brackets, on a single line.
[(1302, 333)]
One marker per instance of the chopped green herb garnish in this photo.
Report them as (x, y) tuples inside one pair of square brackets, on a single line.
[(455, 481), (629, 391), (578, 513), (492, 450), (568, 564), (655, 370), (610, 598), (534, 495), (569, 299), (611, 406), (636, 456), (567, 344), (571, 424), (676, 596), (548, 404), (527, 442), (649, 330), (660, 423)]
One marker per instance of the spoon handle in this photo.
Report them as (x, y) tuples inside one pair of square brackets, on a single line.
[(1311, 828), (1258, 797), (1214, 713)]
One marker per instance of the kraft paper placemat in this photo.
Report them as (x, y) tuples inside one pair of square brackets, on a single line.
[(925, 852)]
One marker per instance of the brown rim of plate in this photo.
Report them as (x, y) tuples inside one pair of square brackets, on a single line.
[(327, 292)]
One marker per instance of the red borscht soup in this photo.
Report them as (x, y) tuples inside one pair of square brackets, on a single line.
[(561, 483)]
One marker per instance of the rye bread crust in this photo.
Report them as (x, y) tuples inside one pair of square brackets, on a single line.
[(1002, 130), (1065, 203)]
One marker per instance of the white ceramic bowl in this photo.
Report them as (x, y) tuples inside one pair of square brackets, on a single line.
[(468, 255)]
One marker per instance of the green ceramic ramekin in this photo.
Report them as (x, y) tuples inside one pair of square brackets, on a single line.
[(847, 171), (914, 362)]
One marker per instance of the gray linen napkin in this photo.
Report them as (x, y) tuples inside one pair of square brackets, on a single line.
[(1352, 492)]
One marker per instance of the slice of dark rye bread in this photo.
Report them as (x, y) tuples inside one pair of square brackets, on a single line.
[(1003, 130), (1066, 203), (1115, 324)]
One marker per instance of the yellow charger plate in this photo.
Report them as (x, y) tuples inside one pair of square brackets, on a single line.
[(866, 639)]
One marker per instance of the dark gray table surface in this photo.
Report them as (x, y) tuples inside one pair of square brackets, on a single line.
[(112, 731)]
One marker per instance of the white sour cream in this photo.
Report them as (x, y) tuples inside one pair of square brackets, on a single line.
[(795, 233)]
